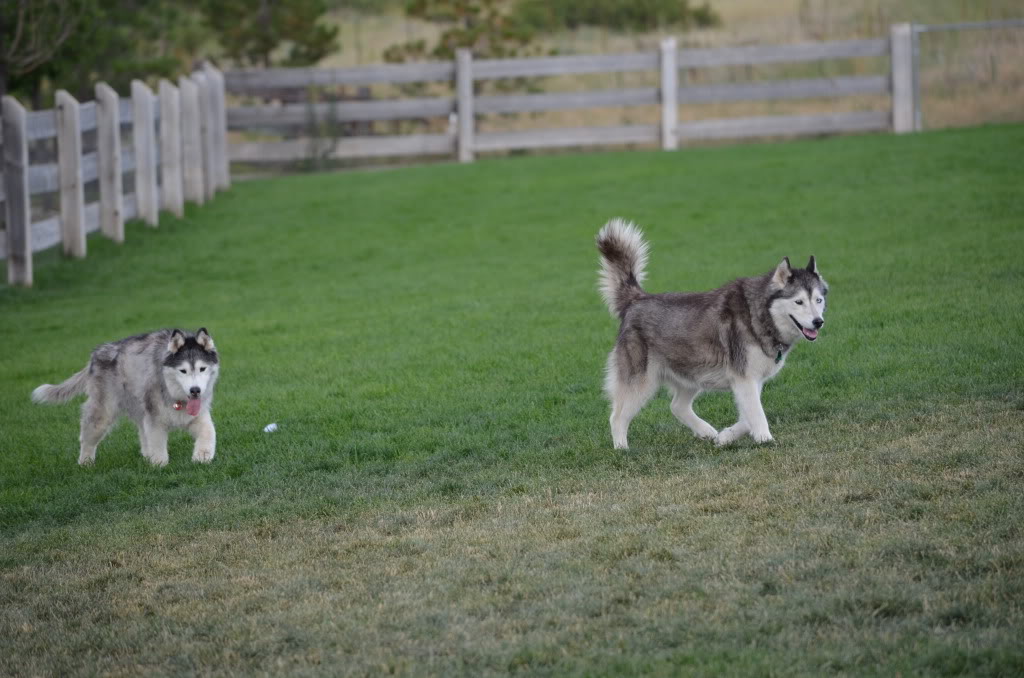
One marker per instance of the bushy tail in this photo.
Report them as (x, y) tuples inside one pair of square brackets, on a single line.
[(623, 259), (61, 393)]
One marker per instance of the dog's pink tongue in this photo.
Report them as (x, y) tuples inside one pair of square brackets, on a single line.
[(810, 334), (193, 405)]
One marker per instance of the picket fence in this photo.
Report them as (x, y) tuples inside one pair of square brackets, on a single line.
[(464, 140), (178, 153)]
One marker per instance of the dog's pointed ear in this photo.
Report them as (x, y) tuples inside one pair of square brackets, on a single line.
[(812, 266), (783, 272), (176, 341), (204, 339)]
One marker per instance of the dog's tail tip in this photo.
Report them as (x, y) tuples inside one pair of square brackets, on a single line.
[(43, 394), (623, 263), (63, 392), (619, 227)]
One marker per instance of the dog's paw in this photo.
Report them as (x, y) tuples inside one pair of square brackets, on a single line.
[(729, 435), (203, 455), (762, 437), (86, 461), (707, 432), (156, 459)]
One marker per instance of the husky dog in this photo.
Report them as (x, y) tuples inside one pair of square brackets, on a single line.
[(162, 380), (736, 337)]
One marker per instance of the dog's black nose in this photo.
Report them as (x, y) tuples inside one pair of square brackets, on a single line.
[(818, 322), (194, 390)]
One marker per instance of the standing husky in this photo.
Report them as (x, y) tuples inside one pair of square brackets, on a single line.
[(736, 337), (163, 380)]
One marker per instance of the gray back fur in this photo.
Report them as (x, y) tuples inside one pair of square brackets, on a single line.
[(698, 333)]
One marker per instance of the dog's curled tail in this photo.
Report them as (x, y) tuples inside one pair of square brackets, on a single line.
[(63, 392), (623, 260)]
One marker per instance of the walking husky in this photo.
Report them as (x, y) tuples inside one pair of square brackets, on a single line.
[(162, 380), (736, 337)]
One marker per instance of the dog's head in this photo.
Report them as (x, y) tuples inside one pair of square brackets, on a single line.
[(797, 301), (191, 364)]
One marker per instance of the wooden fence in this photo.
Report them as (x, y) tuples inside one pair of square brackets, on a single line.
[(463, 140), (178, 152)]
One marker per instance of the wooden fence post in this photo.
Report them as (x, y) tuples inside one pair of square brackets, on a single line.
[(170, 149), (464, 102), (222, 166), (69, 163), (16, 197), (191, 142), (144, 136), (669, 95), (901, 47), (206, 133), (108, 152)]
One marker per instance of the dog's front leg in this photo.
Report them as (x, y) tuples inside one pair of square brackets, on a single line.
[(730, 435), (154, 441), (682, 408), (206, 438), (748, 401)]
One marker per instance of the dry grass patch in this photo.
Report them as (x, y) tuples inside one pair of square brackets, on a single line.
[(849, 550)]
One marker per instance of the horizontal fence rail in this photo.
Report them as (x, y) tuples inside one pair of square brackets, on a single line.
[(346, 147), (291, 115), (155, 163), (562, 138), (490, 69), (561, 101), (786, 125), (247, 81), (333, 131), (786, 89)]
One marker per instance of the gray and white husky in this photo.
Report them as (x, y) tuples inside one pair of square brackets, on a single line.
[(734, 338), (162, 380)]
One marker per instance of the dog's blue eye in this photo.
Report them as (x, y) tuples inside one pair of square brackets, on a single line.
[(182, 371), (800, 302)]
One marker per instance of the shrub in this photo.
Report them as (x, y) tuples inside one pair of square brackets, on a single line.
[(635, 15)]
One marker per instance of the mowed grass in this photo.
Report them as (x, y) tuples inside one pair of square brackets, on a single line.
[(442, 497)]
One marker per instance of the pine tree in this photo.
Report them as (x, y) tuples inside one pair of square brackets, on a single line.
[(253, 32)]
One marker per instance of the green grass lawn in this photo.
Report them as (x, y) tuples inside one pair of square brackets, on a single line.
[(442, 497)]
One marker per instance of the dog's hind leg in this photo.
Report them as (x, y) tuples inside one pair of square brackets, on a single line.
[(628, 395), (682, 408), (96, 421)]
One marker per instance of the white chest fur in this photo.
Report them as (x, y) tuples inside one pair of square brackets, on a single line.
[(763, 367)]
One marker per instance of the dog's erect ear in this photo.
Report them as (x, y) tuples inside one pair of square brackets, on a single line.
[(812, 266), (176, 342), (204, 339), (783, 272)]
